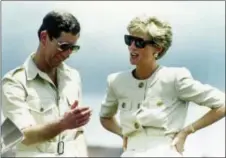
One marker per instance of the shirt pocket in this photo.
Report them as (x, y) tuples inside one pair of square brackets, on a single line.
[(43, 110), (153, 112), (158, 103), (125, 105), (127, 119)]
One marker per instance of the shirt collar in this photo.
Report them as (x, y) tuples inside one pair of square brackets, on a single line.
[(32, 70)]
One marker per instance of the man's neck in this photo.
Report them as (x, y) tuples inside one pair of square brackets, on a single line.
[(42, 66)]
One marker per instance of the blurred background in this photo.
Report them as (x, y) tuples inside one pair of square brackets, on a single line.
[(198, 44)]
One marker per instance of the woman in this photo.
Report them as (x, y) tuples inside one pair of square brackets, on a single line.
[(152, 100)]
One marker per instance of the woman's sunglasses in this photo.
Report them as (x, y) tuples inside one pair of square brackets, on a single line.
[(139, 42)]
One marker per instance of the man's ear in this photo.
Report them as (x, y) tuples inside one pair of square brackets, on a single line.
[(43, 37)]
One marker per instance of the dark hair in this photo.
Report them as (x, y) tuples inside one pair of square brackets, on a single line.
[(56, 22)]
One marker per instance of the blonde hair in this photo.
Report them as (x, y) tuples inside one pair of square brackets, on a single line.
[(158, 31)]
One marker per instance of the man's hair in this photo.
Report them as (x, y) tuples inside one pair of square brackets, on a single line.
[(56, 22)]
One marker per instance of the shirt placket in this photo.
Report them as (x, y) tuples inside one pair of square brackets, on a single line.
[(56, 90)]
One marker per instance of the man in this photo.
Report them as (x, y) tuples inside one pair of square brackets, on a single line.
[(43, 95)]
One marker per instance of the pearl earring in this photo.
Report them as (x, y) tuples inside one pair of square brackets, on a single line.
[(156, 55)]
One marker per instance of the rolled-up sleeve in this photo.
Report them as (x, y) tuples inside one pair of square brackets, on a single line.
[(189, 89), (109, 104), (14, 105)]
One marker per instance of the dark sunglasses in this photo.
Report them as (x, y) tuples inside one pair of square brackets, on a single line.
[(65, 46), (139, 42)]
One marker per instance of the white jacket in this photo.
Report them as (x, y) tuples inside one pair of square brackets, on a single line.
[(160, 101)]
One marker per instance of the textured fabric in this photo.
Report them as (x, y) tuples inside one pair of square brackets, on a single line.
[(160, 101)]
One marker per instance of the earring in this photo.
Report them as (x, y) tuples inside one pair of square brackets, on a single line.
[(156, 55)]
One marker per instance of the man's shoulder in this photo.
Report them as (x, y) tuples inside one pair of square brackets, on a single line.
[(16, 73), (71, 71)]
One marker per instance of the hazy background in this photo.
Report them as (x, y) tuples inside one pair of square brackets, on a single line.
[(198, 44)]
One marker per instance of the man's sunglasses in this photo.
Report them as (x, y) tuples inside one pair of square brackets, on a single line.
[(64, 46), (139, 42)]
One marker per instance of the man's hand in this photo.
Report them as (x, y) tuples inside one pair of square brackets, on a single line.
[(76, 117)]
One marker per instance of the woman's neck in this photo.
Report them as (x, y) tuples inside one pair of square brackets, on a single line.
[(144, 71)]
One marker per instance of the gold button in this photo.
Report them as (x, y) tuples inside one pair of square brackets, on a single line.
[(136, 125), (123, 105), (160, 103), (41, 109), (141, 85)]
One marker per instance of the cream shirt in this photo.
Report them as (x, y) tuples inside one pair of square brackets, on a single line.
[(29, 97), (160, 101)]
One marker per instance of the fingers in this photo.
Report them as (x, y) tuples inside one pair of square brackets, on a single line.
[(82, 118), (124, 143), (178, 147), (83, 122), (74, 105), (80, 110), (83, 114)]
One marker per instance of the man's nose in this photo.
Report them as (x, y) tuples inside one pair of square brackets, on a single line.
[(67, 53)]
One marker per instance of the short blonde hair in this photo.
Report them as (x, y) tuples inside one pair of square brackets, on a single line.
[(158, 31)]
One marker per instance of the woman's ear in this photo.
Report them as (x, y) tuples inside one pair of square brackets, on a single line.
[(159, 50)]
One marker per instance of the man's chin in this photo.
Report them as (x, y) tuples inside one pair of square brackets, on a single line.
[(56, 64)]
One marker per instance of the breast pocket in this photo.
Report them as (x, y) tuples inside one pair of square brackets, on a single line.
[(153, 112), (43, 110), (125, 105), (157, 103)]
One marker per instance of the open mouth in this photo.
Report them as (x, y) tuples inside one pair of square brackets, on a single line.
[(134, 55)]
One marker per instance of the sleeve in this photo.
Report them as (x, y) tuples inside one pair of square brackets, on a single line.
[(189, 89), (109, 104), (81, 129), (14, 104)]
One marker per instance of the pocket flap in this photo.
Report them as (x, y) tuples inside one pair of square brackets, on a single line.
[(41, 105), (125, 105)]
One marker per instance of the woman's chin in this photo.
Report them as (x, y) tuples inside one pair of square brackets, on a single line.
[(133, 62)]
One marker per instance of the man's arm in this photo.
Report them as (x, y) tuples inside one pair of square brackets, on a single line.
[(41, 133), (16, 108)]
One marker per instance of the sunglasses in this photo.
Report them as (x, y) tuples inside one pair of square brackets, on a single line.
[(65, 46), (139, 42)]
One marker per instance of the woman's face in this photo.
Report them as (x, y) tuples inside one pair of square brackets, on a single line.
[(141, 51)]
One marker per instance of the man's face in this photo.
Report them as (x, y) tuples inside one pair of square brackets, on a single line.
[(58, 50)]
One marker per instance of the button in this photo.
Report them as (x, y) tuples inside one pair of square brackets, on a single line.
[(136, 125), (63, 136), (160, 103), (123, 105), (138, 106), (60, 148), (141, 85), (41, 109)]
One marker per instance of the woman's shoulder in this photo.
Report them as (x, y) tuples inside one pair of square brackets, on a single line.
[(120, 75), (174, 70)]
